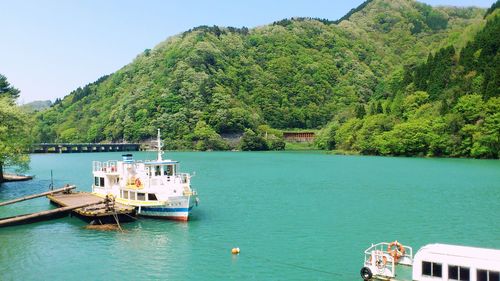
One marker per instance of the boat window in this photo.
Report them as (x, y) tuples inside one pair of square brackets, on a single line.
[(141, 196), (482, 275), (487, 275), (157, 171), (125, 194), (453, 272), (152, 197), (437, 270), (464, 274), (170, 170), (458, 273), (98, 181), (132, 195), (432, 269), (426, 268)]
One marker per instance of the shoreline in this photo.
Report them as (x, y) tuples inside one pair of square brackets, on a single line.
[(14, 178)]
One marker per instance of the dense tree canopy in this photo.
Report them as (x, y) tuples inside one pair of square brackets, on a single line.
[(14, 135), (387, 70), (448, 105)]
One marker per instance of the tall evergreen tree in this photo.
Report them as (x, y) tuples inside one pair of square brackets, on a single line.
[(6, 90)]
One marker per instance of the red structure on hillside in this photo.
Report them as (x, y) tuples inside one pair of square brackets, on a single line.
[(299, 136)]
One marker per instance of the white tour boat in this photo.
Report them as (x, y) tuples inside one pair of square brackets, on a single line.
[(155, 187), (393, 261)]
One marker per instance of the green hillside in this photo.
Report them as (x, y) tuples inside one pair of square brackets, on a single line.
[(448, 105), (296, 73)]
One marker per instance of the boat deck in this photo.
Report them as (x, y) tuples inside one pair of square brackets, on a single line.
[(94, 211)]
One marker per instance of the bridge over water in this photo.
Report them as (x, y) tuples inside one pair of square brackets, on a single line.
[(83, 147)]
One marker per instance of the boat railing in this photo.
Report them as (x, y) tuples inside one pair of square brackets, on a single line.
[(96, 166), (107, 166), (380, 263), (379, 258), (383, 247), (185, 177)]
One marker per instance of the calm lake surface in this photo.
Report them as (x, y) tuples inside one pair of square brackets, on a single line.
[(295, 216)]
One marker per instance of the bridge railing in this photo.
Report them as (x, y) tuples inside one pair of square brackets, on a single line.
[(83, 147)]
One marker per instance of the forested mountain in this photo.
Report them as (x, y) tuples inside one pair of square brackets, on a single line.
[(296, 73), (448, 105)]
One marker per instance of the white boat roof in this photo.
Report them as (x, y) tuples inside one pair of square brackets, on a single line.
[(460, 251), (156, 162)]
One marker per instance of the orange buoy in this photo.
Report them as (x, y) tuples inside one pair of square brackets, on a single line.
[(235, 251)]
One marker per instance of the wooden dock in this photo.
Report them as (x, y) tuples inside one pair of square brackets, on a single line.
[(64, 189), (88, 206), (98, 210)]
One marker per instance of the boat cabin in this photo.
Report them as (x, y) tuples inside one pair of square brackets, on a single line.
[(156, 187), (151, 169), (148, 181), (449, 262), (158, 169)]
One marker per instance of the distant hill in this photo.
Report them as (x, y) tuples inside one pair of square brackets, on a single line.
[(295, 73), (38, 105)]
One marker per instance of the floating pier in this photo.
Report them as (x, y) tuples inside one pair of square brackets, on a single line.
[(64, 189), (97, 210), (87, 206)]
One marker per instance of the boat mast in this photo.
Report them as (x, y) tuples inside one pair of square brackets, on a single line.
[(160, 151)]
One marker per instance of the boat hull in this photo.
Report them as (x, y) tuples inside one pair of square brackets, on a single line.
[(180, 210)]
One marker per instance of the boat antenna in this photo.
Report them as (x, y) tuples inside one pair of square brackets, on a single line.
[(160, 151)]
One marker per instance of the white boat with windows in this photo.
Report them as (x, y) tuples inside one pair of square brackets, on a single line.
[(393, 261), (156, 188)]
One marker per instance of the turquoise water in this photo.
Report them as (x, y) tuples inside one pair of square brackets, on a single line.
[(295, 216)]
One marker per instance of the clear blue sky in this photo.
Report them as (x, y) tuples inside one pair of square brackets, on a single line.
[(49, 48)]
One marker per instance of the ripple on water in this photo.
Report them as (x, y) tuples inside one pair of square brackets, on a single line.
[(295, 216)]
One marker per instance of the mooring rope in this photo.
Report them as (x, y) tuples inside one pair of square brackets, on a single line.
[(294, 265), (115, 215), (130, 216)]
